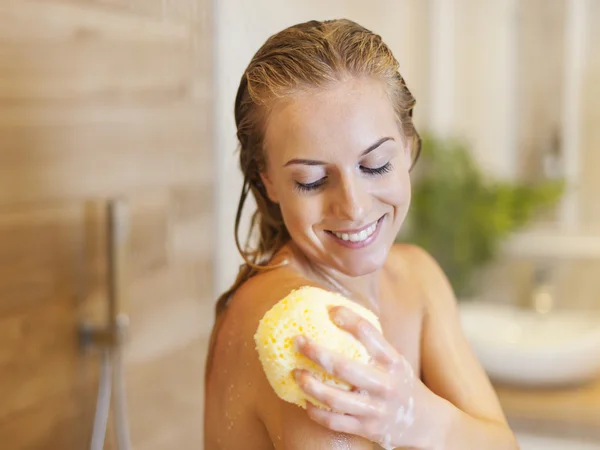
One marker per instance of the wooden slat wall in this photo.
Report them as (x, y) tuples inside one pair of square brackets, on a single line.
[(101, 99), (40, 367)]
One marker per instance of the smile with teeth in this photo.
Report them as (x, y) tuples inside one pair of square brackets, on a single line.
[(357, 237)]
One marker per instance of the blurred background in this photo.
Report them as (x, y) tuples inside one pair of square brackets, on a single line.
[(119, 183)]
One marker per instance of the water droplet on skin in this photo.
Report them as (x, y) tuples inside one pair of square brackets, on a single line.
[(387, 442)]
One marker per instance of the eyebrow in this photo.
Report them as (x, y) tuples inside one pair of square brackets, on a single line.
[(312, 162)]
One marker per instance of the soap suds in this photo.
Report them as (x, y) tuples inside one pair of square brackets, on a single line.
[(402, 414)]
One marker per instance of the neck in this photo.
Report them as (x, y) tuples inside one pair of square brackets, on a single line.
[(364, 289)]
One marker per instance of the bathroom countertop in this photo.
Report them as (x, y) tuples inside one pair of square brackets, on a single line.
[(571, 411)]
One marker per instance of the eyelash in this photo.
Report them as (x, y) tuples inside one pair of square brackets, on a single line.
[(379, 170), (317, 184)]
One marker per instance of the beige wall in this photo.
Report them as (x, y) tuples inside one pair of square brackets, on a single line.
[(485, 81), (590, 161), (540, 67)]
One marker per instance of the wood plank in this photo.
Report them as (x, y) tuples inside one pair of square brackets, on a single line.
[(178, 11), (192, 238), (93, 69), (51, 20), (149, 110), (26, 382), (57, 422), (93, 52), (190, 202), (180, 377), (168, 310), (39, 257), (40, 163), (96, 52), (41, 278)]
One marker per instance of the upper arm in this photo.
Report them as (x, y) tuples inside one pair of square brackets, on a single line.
[(449, 367), (291, 429), (287, 425)]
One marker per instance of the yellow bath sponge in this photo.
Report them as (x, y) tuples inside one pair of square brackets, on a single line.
[(305, 312)]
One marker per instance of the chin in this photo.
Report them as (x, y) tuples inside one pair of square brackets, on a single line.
[(360, 265), (358, 270)]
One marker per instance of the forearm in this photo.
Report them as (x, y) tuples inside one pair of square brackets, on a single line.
[(460, 431)]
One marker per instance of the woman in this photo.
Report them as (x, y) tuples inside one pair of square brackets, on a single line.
[(324, 122)]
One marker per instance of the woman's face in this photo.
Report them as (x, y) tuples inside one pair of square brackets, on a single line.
[(339, 169)]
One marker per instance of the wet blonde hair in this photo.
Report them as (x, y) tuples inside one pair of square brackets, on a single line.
[(307, 56)]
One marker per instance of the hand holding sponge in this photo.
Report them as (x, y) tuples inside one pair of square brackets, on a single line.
[(305, 311)]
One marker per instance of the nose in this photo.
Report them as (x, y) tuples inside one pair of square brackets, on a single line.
[(352, 200)]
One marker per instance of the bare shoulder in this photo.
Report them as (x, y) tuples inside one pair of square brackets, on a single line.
[(450, 368), (416, 258), (248, 305), (422, 268), (234, 376), (269, 421)]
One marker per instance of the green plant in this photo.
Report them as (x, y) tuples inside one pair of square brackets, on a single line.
[(461, 216)]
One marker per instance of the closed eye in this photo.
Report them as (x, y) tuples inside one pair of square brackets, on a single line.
[(309, 187), (378, 170)]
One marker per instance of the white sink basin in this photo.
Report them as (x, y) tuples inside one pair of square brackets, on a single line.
[(520, 346)]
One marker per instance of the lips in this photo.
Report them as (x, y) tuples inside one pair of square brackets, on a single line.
[(358, 237)]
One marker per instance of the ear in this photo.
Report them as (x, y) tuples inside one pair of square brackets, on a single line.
[(268, 184)]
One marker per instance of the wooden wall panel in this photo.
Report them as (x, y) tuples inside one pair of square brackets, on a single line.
[(41, 273), (100, 99)]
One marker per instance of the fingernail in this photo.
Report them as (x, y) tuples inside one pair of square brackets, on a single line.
[(297, 373), (299, 341), (339, 316)]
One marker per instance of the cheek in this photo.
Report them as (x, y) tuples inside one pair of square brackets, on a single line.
[(300, 213), (398, 191)]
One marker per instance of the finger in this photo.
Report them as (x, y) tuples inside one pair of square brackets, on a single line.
[(362, 376), (377, 346), (334, 421), (337, 399)]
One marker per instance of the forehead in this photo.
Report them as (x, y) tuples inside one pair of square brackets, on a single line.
[(349, 115)]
